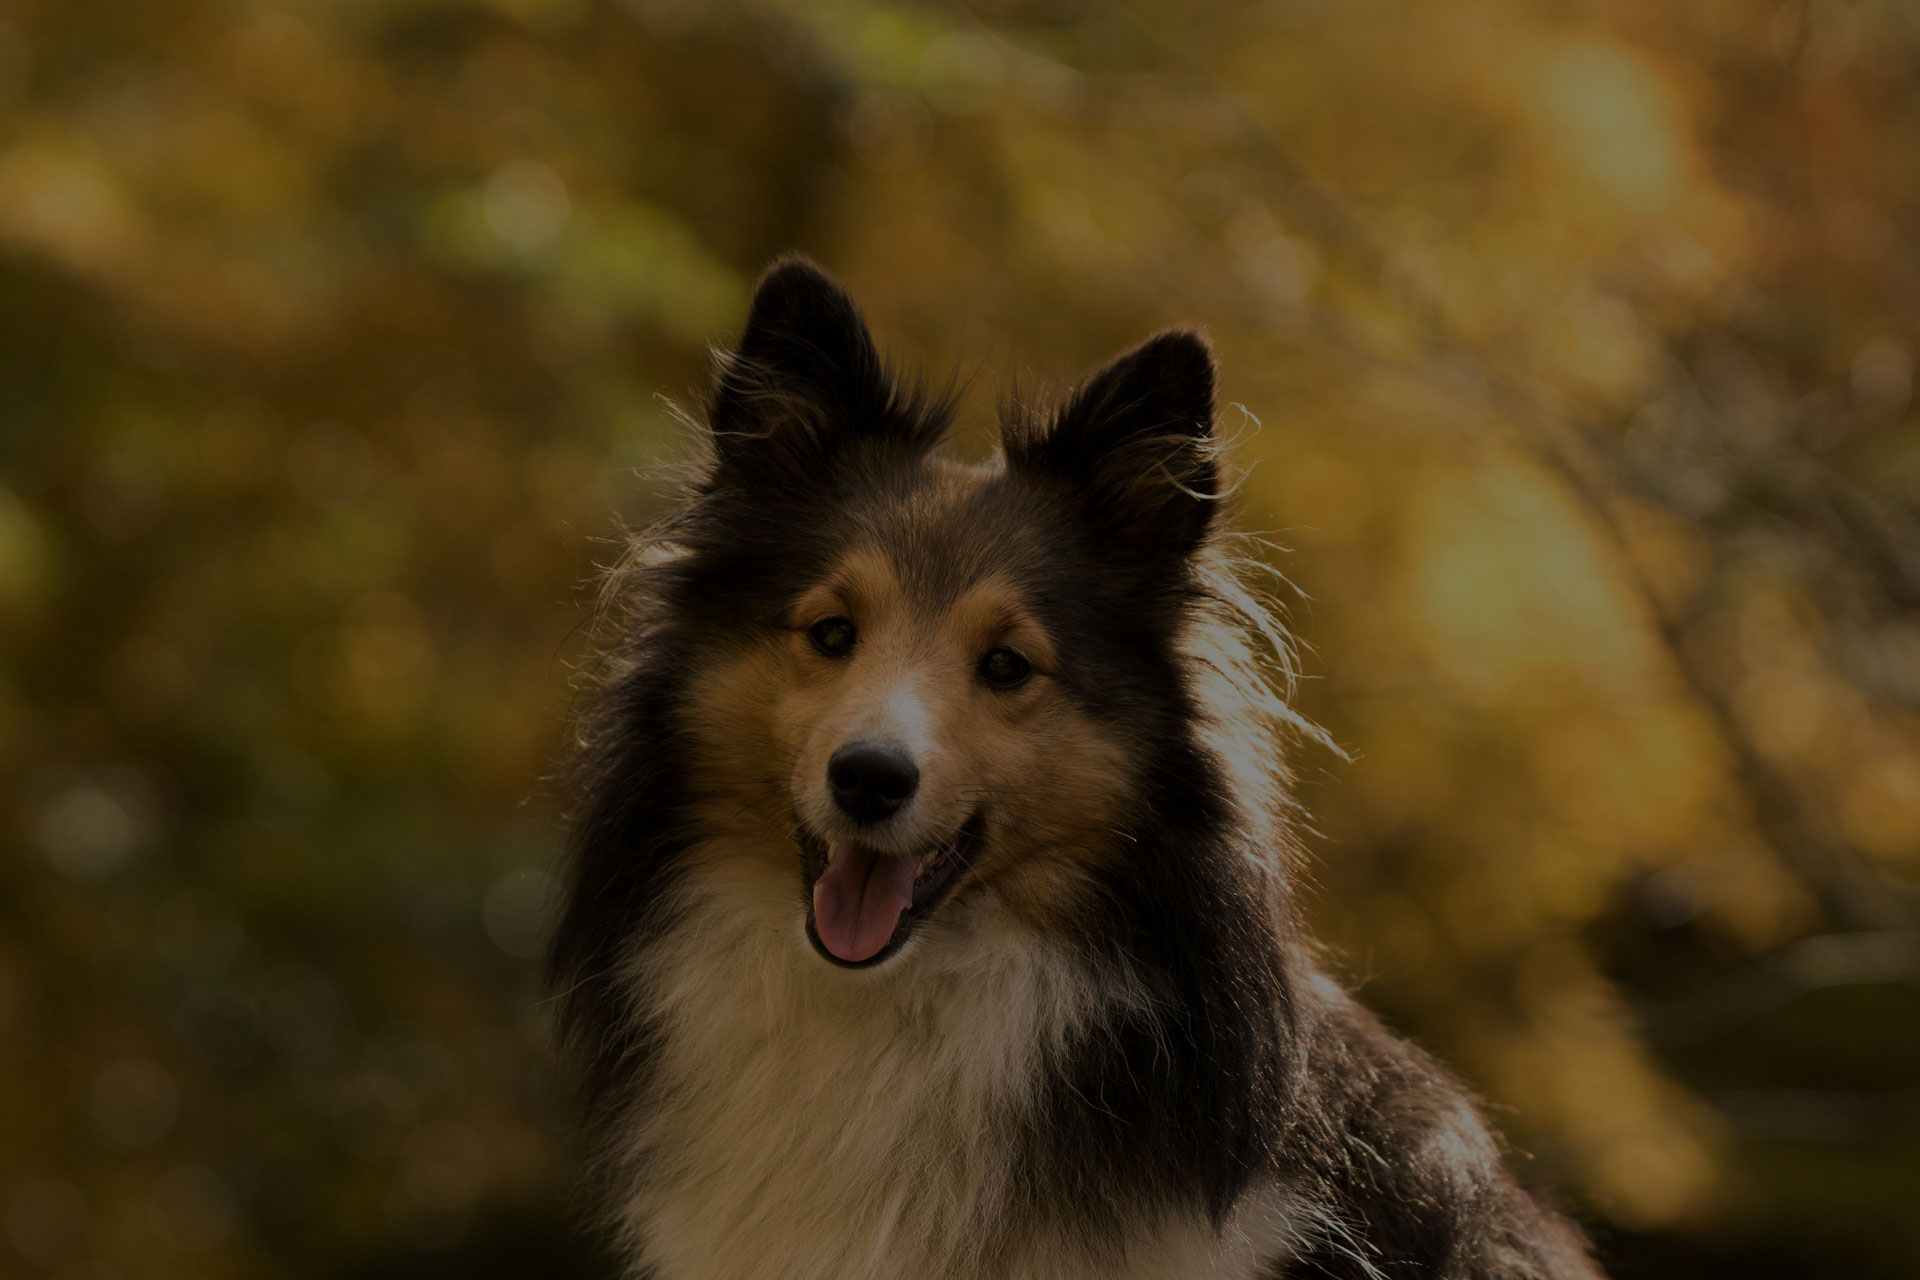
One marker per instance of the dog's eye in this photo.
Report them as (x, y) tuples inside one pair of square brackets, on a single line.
[(833, 636), (1005, 669)]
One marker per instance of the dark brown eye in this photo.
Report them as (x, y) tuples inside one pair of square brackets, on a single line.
[(1005, 669), (833, 636)]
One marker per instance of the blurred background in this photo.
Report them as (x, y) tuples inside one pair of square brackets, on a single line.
[(1570, 345)]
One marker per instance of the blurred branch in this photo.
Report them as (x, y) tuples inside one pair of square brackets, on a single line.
[(1850, 889), (1575, 447), (1811, 964), (1821, 1116)]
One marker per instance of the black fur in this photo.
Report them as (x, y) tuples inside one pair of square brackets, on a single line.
[(1134, 445), (1245, 1067), (807, 383)]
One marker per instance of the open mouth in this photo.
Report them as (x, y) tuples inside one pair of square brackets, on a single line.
[(863, 903)]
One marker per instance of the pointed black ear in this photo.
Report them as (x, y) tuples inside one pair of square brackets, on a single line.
[(806, 377), (1136, 440)]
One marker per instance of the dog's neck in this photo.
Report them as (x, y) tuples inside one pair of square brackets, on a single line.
[(790, 1098)]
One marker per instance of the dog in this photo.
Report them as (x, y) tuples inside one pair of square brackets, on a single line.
[(931, 904)]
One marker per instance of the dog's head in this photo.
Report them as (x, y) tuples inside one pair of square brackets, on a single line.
[(918, 689)]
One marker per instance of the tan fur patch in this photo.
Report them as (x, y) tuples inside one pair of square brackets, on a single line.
[(1039, 769)]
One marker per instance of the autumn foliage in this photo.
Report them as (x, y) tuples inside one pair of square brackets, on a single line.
[(1569, 350)]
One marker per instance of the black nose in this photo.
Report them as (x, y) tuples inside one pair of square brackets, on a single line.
[(871, 782)]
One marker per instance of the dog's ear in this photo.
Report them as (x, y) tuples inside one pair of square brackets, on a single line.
[(806, 378), (1136, 441)]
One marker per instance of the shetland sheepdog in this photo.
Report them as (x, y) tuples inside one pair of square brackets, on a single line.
[(931, 906)]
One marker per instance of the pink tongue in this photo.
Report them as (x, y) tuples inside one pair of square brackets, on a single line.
[(858, 899)]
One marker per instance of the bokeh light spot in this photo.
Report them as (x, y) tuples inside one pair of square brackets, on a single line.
[(526, 205), (1614, 122), (44, 1221), (446, 1166), (91, 828), (516, 912), (1882, 377), (193, 1207), (133, 1103)]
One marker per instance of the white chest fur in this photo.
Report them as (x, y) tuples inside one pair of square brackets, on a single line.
[(809, 1123)]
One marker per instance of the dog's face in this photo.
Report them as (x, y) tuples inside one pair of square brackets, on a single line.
[(918, 721), (920, 690)]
